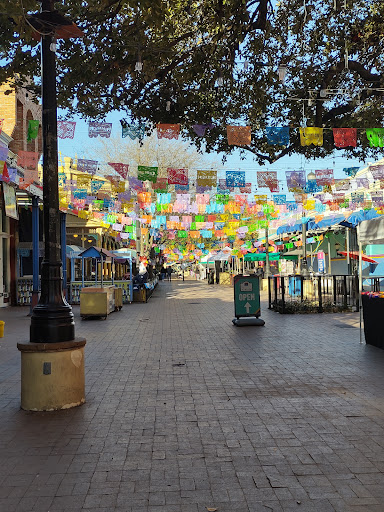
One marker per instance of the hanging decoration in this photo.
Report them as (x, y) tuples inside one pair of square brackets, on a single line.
[(83, 181), (30, 176), (168, 131), (33, 129), (377, 171), (120, 168), (89, 166), (96, 129), (239, 135), (182, 188), (66, 129), (324, 177), (310, 136), (279, 199), (3, 158), (160, 185), (375, 137), (206, 178), (345, 137), (134, 131), (268, 179), (135, 184), (377, 197), (278, 135), (261, 198), (27, 159), (145, 173), (235, 178), (351, 171), (247, 189), (177, 176), (200, 129), (223, 188), (296, 180)]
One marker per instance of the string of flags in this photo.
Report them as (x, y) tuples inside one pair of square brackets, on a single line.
[(236, 135)]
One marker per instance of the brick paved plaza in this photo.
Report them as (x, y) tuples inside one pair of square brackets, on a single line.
[(186, 412)]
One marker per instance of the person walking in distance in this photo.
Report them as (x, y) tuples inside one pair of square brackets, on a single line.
[(169, 272)]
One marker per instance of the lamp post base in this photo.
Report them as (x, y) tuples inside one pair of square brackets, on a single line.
[(52, 319), (51, 323), (52, 375)]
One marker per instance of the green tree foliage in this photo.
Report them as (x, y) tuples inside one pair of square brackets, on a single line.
[(188, 47)]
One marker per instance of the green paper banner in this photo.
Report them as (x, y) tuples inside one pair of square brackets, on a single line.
[(33, 130), (147, 173)]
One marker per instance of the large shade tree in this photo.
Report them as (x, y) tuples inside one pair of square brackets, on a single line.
[(193, 61)]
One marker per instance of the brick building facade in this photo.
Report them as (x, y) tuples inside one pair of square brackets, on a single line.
[(17, 108)]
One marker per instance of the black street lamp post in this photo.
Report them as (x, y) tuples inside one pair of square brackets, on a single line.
[(52, 319)]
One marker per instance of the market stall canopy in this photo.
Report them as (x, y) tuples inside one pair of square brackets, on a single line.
[(206, 258), (98, 253), (355, 256), (356, 217), (371, 231), (124, 253), (73, 251), (221, 256)]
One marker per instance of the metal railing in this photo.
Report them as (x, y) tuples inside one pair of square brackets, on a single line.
[(315, 294), (373, 284)]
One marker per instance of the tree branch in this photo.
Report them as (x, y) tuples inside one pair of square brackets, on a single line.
[(336, 69)]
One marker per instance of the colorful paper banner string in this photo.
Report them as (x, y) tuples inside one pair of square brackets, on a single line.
[(296, 180), (377, 171), (66, 129), (375, 137), (345, 137), (235, 178), (3, 158), (28, 159), (177, 176), (239, 135), (206, 178), (134, 131), (33, 129), (279, 199), (200, 129), (351, 171), (120, 168), (310, 136), (99, 129), (278, 135), (168, 131), (145, 173), (247, 189), (324, 177), (161, 184), (268, 179), (89, 166)]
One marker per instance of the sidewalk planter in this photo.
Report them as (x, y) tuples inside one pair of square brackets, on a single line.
[(52, 375), (373, 312)]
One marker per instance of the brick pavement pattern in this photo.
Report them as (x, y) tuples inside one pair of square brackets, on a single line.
[(187, 413)]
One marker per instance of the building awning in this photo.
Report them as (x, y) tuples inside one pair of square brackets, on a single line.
[(355, 256)]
